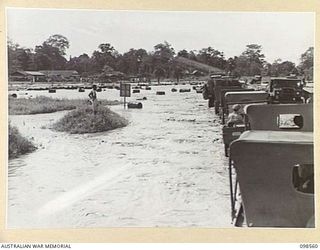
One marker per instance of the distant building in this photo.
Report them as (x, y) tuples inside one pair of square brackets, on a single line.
[(45, 76), (110, 76), (137, 78), (27, 76), (61, 75)]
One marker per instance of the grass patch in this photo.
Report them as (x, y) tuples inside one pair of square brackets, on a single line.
[(18, 145), (82, 120), (42, 104)]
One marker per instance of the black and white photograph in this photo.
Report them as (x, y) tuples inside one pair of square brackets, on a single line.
[(159, 119)]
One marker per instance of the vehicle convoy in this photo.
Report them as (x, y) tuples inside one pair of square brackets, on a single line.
[(280, 90), (286, 90), (212, 72), (274, 188), (271, 169)]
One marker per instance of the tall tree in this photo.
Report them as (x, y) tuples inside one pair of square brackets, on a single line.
[(19, 58), (163, 59), (183, 53), (132, 61), (80, 64), (106, 55), (251, 61), (306, 63), (159, 73), (230, 65), (49, 58), (279, 68), (177, 72), (50, 54), (147, 65), (164, 52), (212, 57), (59, 42)]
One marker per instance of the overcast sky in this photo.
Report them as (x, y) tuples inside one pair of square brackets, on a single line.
[(282, 35)]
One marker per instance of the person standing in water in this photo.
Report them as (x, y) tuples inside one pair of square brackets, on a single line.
[(93, 98)]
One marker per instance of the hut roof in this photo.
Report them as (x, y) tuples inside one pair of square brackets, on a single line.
[(65, 73)]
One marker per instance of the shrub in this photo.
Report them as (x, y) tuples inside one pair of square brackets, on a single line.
[(18, 145), (82, 120)]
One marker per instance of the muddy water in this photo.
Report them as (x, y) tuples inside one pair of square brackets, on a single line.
[(165, 169)]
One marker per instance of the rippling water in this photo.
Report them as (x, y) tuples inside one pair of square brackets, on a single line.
[(166, 168)]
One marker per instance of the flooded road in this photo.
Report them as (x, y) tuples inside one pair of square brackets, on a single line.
[(165, 169)]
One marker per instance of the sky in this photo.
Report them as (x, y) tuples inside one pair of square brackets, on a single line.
[(282, 35)]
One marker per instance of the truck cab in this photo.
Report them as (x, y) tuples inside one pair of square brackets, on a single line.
[(276, 186), (231, 133), (225, 83), (285, 90), (271, 168)]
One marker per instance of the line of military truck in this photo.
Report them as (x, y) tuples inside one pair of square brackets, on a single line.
[(271, 165)]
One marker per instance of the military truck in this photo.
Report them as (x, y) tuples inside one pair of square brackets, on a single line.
[(223, 85), (285, 90), (274, 188)]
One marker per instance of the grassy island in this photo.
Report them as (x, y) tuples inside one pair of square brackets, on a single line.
[(42, 104), (82, 120), (18, 145)]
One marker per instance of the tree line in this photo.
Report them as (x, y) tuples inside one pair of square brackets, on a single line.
[(159, 63)]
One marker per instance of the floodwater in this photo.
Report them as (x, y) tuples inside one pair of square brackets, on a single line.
[(165, 169)]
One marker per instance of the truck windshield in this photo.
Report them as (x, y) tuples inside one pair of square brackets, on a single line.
[(286, 83)]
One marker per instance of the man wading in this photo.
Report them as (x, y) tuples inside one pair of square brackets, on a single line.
[(93, 98)]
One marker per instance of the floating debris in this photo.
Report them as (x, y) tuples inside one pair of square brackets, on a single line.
[(52, 90), (134, 105), (184, 90), (142, 99)]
